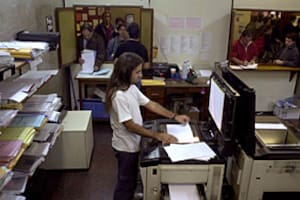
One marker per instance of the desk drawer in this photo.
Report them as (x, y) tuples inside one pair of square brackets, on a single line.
[(154, 92)]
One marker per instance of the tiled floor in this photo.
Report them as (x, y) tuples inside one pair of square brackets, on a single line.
[(96, 183)]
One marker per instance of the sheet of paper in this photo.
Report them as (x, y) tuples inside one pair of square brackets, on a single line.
[(277, 126), (180, 152), (183, 133), (89, 57), (193, 23), (183, 192)]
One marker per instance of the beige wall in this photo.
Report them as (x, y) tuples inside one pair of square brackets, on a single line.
[(17, 15)]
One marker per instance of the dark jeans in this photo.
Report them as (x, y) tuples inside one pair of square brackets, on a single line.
[(127, 175)]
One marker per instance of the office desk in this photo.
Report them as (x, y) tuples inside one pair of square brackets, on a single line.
[(163, 95), (87, 79), (271, 83)]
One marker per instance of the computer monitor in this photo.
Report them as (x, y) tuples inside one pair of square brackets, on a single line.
[(222, 108), (244, 122)]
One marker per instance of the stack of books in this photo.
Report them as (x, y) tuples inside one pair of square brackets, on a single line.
[(49, 105), (9, 150)]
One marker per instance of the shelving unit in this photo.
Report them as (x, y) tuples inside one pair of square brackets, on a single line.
[(15, 91)]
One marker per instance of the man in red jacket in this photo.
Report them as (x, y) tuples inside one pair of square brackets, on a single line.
[(244, 51)]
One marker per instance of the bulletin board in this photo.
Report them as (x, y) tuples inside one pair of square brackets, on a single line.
[(92, 14), (65, 22), (69, 21)]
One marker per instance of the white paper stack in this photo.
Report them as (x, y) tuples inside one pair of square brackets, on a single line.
[(89, 57), (183, 133), (183, 192), (198, 151)]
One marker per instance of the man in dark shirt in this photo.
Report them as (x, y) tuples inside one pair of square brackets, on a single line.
[(289, 55), (134, 45)]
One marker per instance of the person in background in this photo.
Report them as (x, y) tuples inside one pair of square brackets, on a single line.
[(105, 29), (123, 101), (118, 22), (289, 55), (134, 45), (92, 41), (115, 42), (244, 50)]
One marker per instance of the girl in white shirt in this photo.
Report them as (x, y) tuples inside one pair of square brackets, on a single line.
[(123, 101)]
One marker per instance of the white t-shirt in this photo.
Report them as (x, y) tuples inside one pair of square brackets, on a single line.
[(126, 106)]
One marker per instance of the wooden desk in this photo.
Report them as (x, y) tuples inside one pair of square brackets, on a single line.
[(271, 83), (163, 95)]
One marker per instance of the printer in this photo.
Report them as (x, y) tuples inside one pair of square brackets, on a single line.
[(157, 169), (265, 165), (258, 164), (51, 37)]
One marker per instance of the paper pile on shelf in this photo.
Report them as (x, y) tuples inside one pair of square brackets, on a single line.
[(5, 177), (6, 116), (19, 89), (6, 58), (24, 134), (25, 50), (9, 150)]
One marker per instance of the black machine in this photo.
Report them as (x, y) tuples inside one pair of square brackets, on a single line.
[(232, 112), (160, 70), (51, 37), (244, 122)]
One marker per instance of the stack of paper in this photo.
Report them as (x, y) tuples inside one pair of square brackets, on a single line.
[(49, 129), (240, 67), (9, 150), (29, 120), (187, 149), (28, 164), (89, 57), (6, 58), (6, 196), (183, 133), (44, 104), (24, 134), (5, 176), (16, 185), (6, 116), (151, 82), (183, 192), (48, 133), (24, 49), (37, 149), (198, 151)]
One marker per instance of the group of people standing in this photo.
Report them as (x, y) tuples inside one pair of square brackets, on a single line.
[(270, 41), (110, 41)]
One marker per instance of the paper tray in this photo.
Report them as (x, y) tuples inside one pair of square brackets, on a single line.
[(277, 139)]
